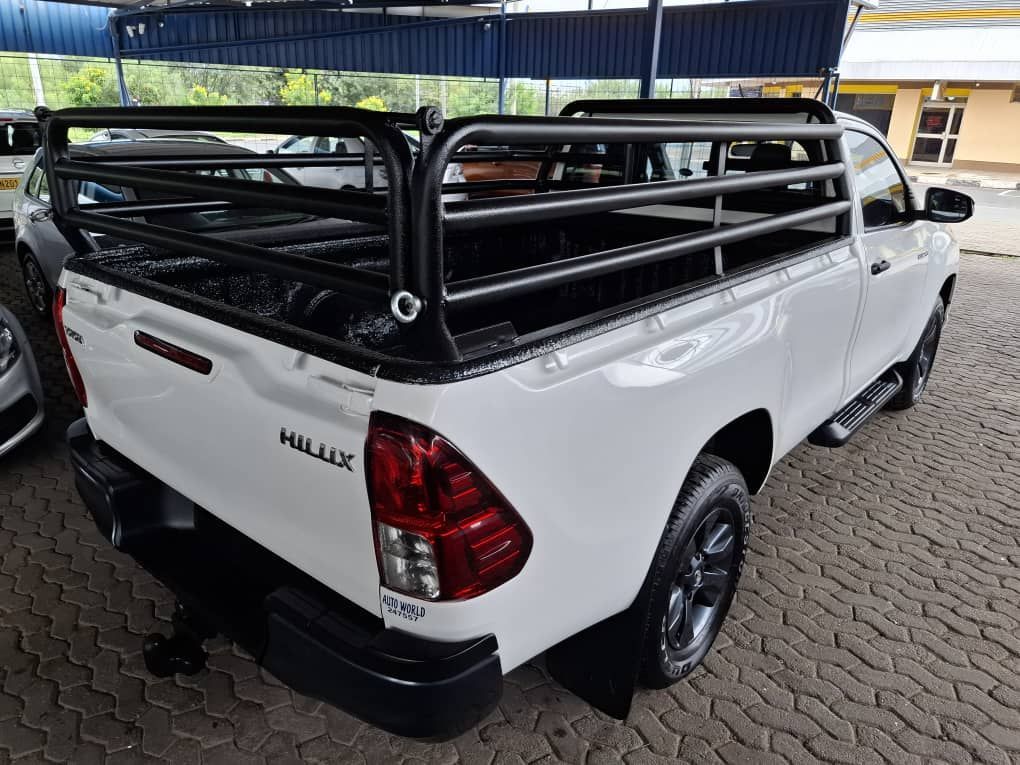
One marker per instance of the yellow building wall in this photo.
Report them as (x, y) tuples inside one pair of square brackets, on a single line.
[(990, 134), (903, 124)]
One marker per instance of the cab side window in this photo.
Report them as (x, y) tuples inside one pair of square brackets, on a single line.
[(298, 145), (880, 186), (330, 146)]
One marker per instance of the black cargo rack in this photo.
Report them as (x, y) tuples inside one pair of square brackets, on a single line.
[(412, 207)]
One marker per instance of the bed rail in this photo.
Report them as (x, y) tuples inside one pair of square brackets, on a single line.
[(192, 192), (411, 205), (432, 219)]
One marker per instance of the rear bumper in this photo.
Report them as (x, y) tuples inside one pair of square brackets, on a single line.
[(309, 637)]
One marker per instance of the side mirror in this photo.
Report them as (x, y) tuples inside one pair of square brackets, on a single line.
[(270, 151), (947, 206)]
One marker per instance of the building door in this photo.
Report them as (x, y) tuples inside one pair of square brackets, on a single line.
[(937, 133)]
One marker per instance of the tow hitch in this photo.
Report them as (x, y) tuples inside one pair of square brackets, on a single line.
[(182, 652)]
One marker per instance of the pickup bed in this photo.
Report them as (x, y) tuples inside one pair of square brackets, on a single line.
[(395, 464)]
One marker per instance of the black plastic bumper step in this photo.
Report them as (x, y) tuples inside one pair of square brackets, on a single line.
[(850, 419)]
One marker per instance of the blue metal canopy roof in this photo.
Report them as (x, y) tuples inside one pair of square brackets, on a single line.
[(59, 28), (752, 38)]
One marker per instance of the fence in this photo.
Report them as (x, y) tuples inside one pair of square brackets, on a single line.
[(68, 81)]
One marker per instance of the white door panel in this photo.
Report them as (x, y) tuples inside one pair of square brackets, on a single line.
[(895, 260)]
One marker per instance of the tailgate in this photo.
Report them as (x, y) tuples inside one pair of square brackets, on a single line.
[(271, 440)]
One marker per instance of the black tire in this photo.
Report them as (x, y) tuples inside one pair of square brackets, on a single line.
[(40, 296), (916, 371), (687, 599)]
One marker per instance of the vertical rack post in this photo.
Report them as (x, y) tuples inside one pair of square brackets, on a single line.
[(720, 171)]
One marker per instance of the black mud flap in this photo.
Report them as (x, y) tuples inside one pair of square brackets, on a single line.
[(600, 664)]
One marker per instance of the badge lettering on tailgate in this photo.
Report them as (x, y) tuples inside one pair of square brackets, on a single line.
[(329, 454), (76, 336), (410, 611)]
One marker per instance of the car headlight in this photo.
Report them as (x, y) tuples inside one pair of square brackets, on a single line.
[(9, 351)]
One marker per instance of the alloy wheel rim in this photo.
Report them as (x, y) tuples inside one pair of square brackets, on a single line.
[(699, 591), (36, 288), (926, 357)]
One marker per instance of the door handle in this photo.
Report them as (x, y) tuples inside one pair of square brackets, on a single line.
[(40, 215), (880, 267)]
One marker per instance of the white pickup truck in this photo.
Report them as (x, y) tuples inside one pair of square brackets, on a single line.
[(396, 465)]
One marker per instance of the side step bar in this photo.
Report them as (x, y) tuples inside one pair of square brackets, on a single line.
[(850, 419)]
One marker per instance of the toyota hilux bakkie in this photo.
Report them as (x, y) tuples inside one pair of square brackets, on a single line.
[(394, 465)]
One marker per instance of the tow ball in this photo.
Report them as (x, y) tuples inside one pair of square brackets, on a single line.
[(182, 652)]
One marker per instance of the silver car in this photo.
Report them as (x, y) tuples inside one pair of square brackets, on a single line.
[(139, 134), (21, 399), (19, 138), (41, 248)]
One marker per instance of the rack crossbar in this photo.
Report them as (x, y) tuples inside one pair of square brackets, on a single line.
[(328, 203), (242, 161), (486, 289), (471, 215)]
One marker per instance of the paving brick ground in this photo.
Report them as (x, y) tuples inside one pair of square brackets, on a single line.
[(878, 620)]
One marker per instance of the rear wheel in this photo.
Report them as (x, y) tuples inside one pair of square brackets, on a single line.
[(40, 297), (916, 371), (696, 569)]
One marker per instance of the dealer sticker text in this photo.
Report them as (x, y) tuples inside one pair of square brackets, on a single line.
[(410, 611)]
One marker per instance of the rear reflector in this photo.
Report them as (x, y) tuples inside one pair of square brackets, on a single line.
[(173, 353), (443, 531), (59, 301)]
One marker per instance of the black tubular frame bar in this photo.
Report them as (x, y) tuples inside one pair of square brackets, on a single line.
[(412, 207), (384, 142), (812, 109), (432, 219)]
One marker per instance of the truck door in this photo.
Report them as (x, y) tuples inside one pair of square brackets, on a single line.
[(895, 251)]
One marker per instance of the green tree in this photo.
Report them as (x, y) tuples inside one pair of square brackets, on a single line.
[(373, 103), (524, 97), (201, 96), (145, 85), (299, 90), (469, 97), (241, 86), (91, 86)]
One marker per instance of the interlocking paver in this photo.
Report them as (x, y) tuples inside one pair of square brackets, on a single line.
[(878, 619)]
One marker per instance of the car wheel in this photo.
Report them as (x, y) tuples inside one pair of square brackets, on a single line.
[(696, 569), (40, 296), (916, 371)]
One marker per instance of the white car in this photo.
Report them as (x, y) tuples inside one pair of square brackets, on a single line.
[(397, 466), (350, 175), (19, 138)]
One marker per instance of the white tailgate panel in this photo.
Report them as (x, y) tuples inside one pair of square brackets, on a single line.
[(217, 439)]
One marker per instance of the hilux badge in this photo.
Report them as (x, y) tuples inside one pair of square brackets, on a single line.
[(329, 454)]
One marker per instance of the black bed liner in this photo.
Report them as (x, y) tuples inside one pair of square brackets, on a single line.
[(428, 291)]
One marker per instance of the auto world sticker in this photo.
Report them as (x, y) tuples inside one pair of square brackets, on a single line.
[(412, 612)]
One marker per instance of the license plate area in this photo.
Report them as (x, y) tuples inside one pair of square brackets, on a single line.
[(9, 184)]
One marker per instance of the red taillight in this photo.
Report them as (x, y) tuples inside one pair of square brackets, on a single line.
[(59, 301), (443, 531)]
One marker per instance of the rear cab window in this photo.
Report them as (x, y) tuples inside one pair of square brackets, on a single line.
[(19, 138)]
